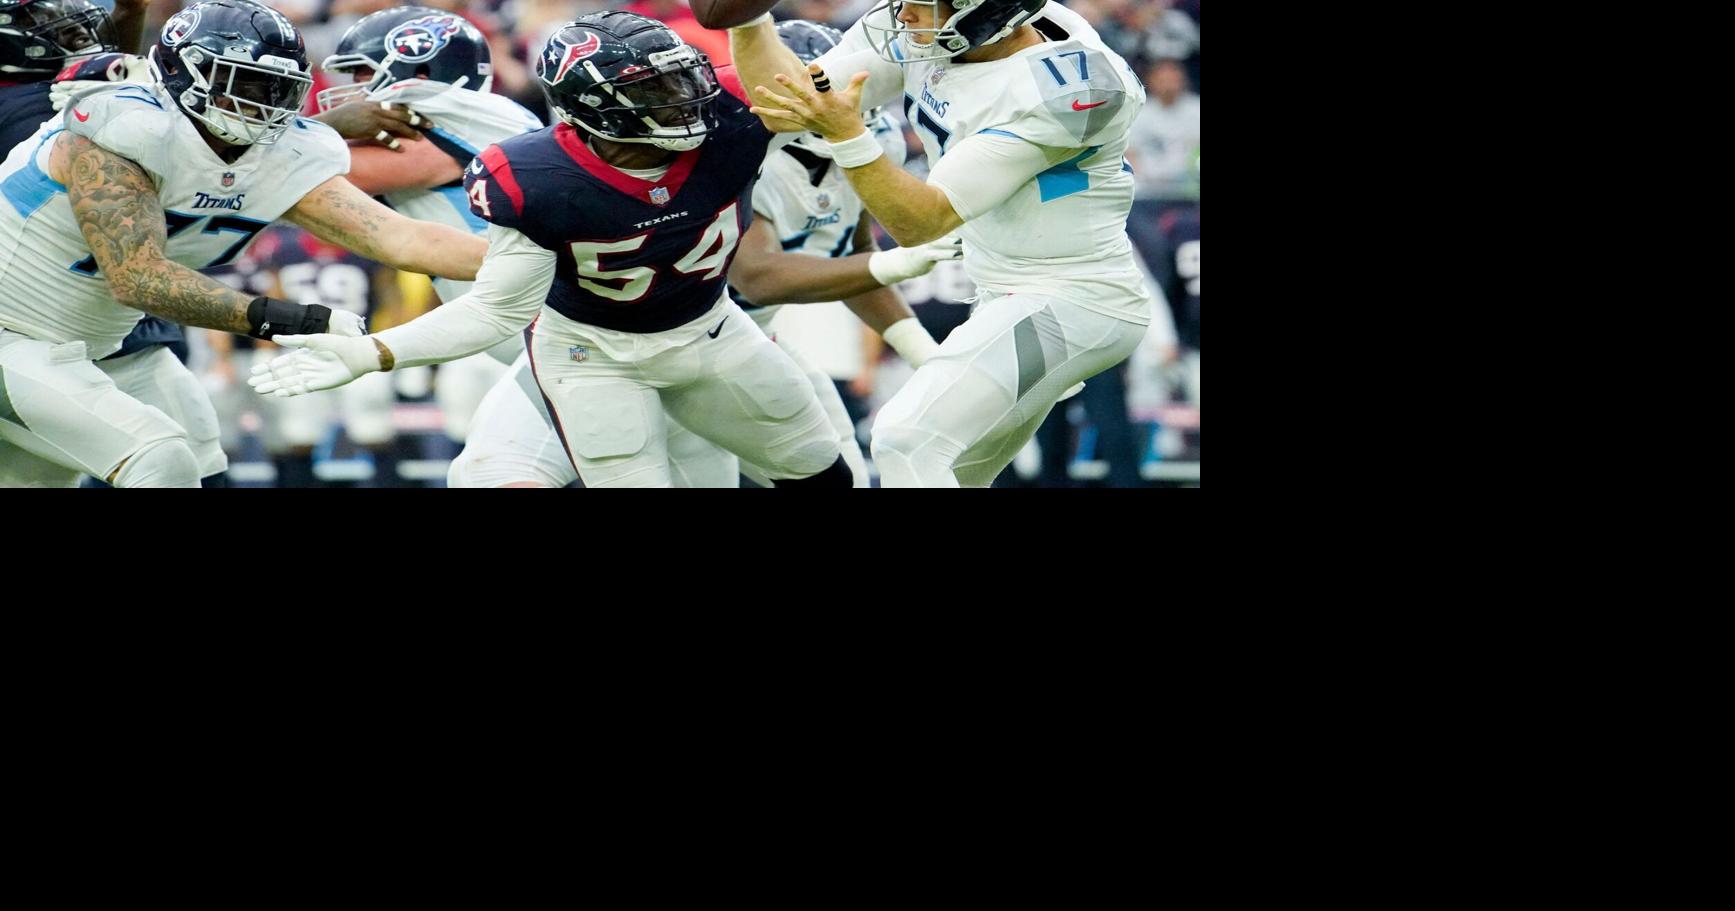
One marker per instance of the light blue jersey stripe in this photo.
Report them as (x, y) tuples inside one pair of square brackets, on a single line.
[(29, 188), (1065, 179), (454, 140)]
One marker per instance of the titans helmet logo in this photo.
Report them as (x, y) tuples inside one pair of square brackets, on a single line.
[(179, 27), (419, 40)]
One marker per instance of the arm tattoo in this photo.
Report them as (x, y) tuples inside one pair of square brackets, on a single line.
[(118, 212), (338, 213)]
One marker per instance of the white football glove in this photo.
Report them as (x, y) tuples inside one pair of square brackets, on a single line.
[(903, 263), (911, 341), (324, 362), (130, 68), (346, 324)]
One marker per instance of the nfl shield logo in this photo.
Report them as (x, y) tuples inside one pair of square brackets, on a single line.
[(228, 179), (578, 354), (824, 201), (660, 196)]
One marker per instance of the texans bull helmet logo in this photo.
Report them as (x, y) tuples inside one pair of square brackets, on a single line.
[(420, 39), (562, 57)]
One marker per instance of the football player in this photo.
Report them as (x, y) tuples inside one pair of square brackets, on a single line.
[(111, 208), (1024, 114), (804, 208)]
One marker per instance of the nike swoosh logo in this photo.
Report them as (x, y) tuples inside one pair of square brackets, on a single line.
[(82, 117), (1085, 107), (713, 332)]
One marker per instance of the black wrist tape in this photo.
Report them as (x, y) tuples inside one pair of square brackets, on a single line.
[(267, 317)]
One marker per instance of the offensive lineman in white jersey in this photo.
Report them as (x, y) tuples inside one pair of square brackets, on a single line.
[(112, 206), (803, 206), (1024, 114)]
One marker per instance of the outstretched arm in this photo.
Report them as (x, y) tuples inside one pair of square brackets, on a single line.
[(508, 293), (118, 212), (339, 213)]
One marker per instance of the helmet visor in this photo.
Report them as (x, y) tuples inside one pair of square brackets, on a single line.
[(672, 99), (263, 97)]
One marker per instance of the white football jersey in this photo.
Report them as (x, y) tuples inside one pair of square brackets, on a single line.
[(469, 121), (50, 287), (814, 219), (1063, 233)]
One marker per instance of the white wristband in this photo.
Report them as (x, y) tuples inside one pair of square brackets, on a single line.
[(856, 152), (911, 341)]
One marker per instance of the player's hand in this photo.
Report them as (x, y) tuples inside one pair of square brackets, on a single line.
[(836, 114), (322, 362), (380, 123), (903, 263), (120, 68)]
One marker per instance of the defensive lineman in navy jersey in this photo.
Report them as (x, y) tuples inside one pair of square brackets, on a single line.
[(626, 247), (797, 250)]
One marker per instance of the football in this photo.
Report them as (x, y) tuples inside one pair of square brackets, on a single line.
[(721, 14)]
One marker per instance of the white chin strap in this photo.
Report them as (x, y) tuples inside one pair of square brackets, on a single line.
[(667, 144), (686, 144)]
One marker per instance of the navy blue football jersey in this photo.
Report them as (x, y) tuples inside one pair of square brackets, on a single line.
[(23, 108), (153, 330), (634, 255)]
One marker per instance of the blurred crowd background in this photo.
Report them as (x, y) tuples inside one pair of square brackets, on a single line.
[(1134, 426)]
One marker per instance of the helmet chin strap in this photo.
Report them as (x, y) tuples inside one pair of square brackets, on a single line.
[(667, 144)]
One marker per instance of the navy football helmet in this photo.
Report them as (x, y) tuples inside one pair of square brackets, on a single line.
[(407, 43), (973, 24), (627, 78), (39, 38), (235, 66)]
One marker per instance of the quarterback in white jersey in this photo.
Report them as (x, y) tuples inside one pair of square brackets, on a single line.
[(1024, 114), (112, 207)]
